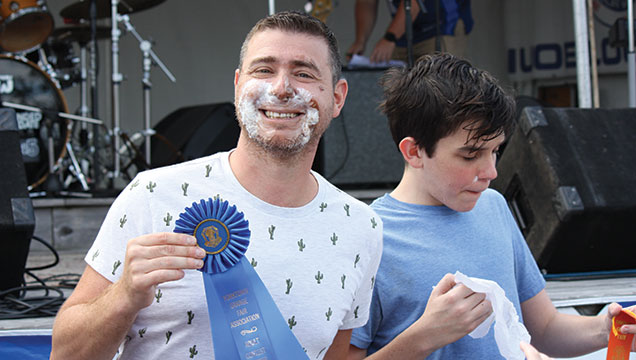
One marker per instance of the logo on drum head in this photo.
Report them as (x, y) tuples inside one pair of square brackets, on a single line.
[(6, 84)]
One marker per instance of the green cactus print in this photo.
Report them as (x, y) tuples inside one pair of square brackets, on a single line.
[(190, 317), (373, 223), (355, 262), (319, 277), (346, 209), (301, 245), (328, 314), (355, 311), (135, 184), (253, 262), (95, 254), (323, 206), (271, 232), (142, 332), (158, 295), (334, 238), (167, 219), (151, 186), (208, 168), (184, 187), (342, 280), (290, 283), (372, 281), (115, 266), (168, 335), (122, 221), (292, 322), (193, 351)]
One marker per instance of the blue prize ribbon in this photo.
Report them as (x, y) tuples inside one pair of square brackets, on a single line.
[(246, 324)]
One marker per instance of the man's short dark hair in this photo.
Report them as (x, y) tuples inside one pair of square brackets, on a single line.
[(298, 22), (440, 94)]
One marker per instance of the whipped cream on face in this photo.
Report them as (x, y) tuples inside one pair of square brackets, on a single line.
[(258, 94)]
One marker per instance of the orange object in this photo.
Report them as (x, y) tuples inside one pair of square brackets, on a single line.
[(620, 344)]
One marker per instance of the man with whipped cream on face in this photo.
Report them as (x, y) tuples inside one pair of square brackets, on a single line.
[(315, 248)]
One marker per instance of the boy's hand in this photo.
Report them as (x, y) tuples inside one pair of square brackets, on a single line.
[(615, 309), (452, 312)]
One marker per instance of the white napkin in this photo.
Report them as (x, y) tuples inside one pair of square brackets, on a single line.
[(509, 332)]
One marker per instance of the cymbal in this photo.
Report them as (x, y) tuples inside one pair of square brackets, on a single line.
[(80, 33), (80, 9)]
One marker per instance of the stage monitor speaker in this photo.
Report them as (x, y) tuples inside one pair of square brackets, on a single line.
[(568, 176), (17, 220), (357, 149), (191, 132)]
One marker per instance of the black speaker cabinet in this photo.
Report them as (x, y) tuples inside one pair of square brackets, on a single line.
[(17, 220), (569, 178), (357, 148), (191, 132)]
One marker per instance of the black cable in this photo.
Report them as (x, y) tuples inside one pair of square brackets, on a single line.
[(57, 257), (34, 299)]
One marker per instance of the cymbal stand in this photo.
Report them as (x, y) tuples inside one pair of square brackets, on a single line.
[(149, 58)]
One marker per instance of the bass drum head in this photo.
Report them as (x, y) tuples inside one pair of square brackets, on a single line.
[(24, 83)]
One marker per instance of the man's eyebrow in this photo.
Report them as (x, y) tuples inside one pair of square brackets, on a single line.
[(262, 60), (306, 64), (295, 63)]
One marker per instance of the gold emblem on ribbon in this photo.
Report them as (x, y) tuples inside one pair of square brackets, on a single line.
[(211, 236)]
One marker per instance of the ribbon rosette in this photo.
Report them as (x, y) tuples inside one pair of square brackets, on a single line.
[(220, 230), (244, 320)]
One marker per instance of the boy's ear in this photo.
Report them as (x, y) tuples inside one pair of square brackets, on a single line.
[(411, 153)]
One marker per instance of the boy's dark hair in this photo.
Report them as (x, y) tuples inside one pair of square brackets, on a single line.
[(440, 94), (298, 22)]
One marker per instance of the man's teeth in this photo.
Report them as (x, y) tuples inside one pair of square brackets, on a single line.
[(272, 114)]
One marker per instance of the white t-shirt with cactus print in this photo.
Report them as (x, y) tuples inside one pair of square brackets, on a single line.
[(318, 261)]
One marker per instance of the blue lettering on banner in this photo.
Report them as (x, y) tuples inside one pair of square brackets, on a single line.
[(557, 56)]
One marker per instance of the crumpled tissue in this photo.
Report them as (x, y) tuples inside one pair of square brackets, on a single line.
[(509, 332)]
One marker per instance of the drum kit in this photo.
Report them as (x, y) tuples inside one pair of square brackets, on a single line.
[(64, 153)]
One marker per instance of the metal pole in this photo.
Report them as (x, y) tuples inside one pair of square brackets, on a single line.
[(272, 7), (147, 62), (582, 54), (408, 29), (116, 80), (592, 36), (631, 60)]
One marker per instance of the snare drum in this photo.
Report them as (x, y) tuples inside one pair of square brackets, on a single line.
[(22, 82), (25, 24)]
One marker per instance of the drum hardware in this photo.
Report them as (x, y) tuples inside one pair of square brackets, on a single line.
[(60, 114), (25, 24), (80, 10), (116, 9), (149, 58), (52, 184)]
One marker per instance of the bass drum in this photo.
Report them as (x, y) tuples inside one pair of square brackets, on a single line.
[(24, 83)]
